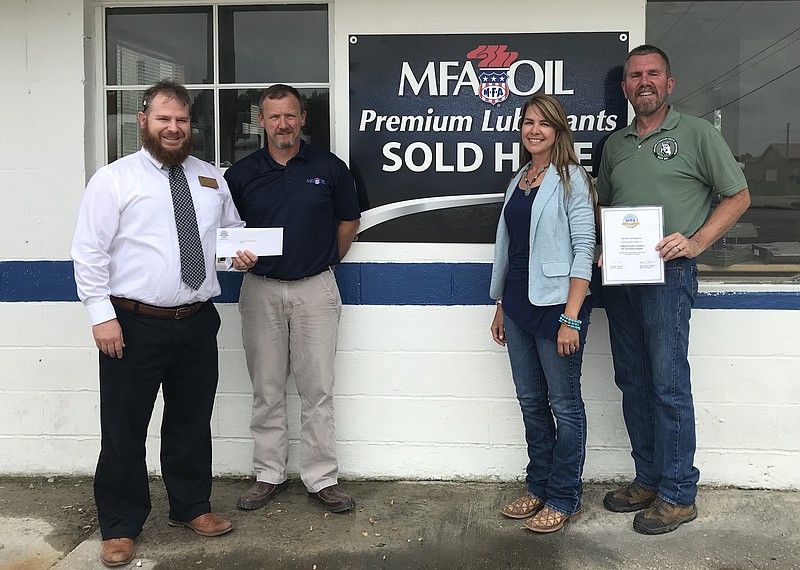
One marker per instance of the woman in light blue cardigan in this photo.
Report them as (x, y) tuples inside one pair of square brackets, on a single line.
[(540, 278)]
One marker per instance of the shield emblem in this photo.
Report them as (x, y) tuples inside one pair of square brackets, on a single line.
[(494, 86)]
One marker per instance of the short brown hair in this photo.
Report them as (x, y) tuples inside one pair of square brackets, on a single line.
[(279, 91), (169, 89), (646, 49)]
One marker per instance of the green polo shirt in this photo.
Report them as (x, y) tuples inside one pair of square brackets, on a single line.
[(679, 166)]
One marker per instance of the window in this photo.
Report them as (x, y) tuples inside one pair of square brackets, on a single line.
[(736, 65), (225, 55)]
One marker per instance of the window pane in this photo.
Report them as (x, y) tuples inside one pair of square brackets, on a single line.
[(241, 133), (736, 65), (273, 44), (144, 45), (123, 123)]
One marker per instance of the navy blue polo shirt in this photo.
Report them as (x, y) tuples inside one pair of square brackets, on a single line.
[(307, 198)]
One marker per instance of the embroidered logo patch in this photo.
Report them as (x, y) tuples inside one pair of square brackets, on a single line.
[(666, 149), (318, 181)]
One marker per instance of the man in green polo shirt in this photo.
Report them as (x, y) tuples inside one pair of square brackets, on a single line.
[(663, 158)]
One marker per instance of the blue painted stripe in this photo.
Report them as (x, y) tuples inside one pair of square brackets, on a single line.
[(440, 284)]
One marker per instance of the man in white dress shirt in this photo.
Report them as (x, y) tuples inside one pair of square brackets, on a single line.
[(152, 319)]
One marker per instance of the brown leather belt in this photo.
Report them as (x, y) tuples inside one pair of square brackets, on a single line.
[(176, 313)]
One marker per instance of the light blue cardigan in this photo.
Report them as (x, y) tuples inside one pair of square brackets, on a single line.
[(561, 243)]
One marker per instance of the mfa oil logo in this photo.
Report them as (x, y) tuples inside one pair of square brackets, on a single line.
[(630, 221), (494, 64), (490, 71)]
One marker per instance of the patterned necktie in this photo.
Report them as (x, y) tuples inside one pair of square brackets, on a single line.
[(193, 267)]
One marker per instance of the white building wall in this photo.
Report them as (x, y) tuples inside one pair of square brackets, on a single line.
[(41, 149), (422, 392)]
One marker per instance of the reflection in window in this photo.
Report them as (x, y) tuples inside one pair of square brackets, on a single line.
[(736, 65), (258, 46), (275, 44), (144, 45)]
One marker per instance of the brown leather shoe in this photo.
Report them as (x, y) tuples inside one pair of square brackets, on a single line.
[(526, 506), (117, 552), (550, 520), (209, 524), (259, 495), (334, 499)]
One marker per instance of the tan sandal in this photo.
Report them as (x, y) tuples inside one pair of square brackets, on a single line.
[(526, 506), (549, 520)]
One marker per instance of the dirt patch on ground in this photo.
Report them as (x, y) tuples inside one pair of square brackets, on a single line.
[(65, 503)]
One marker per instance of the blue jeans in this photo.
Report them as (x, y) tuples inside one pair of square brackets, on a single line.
[(649, 330), (549, 385)]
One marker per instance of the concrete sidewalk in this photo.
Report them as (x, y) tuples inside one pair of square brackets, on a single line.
[(400, 525)]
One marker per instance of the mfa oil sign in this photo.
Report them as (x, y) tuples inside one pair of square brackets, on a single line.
[(434, 122)]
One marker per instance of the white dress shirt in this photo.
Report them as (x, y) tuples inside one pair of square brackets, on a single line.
[(126, 241)]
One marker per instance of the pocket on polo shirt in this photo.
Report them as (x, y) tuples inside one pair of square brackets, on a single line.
[(555, 269)]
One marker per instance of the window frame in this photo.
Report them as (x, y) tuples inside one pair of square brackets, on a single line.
[(102, 88)]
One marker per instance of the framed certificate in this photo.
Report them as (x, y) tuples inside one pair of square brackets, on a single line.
[(630, 236)]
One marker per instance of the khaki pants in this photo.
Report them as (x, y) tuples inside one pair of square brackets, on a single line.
[(291, 327)]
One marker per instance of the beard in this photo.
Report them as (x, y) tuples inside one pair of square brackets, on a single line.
[(649, 107), (152, 143), (284, 144)]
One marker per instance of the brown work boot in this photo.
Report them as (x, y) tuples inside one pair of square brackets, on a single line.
[(634, 497), (117, 552), (259, 495), (663, 517), (334, 499)]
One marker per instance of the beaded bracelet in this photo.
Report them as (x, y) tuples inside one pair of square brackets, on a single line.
[(571, 323)]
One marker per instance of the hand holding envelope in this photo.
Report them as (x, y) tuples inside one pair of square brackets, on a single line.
[(260, 241), (244, 260), (244, 245)]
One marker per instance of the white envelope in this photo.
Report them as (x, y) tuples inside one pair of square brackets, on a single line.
[(261, 241)]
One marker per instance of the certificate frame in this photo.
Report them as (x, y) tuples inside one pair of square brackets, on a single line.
[(630, 235)]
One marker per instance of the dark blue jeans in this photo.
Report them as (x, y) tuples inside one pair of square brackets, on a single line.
[(549, 386), (649, 330)]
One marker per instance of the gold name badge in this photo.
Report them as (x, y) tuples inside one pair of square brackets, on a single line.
[(208, 182)]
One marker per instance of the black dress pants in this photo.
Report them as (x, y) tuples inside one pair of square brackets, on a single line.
[(180, 356)]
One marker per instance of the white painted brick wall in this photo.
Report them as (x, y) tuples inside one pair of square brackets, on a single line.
[(42, 172), (422, 392)]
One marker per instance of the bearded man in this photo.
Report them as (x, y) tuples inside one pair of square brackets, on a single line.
[(668, 159), (144, 259)]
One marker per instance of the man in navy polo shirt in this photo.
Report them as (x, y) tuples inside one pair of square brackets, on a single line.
[(290, 304)]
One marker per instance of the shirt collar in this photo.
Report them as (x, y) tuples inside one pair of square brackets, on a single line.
[(669, 123), (268, 163), (156, 163)]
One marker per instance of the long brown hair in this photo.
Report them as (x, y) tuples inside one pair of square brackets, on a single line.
[(562, 155)]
